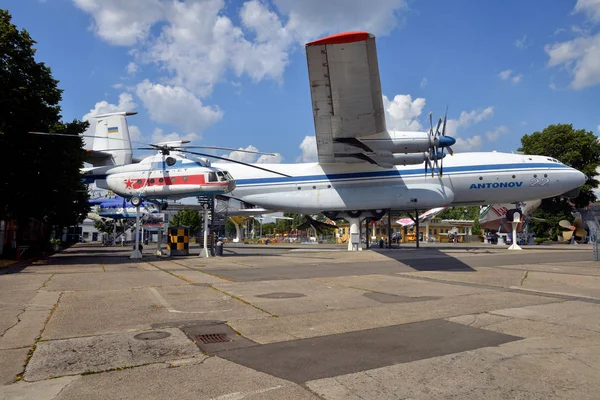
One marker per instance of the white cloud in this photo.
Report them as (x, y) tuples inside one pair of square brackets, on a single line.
[(598, 129), (103, 107), (494, 134), (244, 157), (552, 85), (177, 106), (521, 44), (264, 159), (309, 149), (134, 132), (589, 7), (310, 18), (197, 43), (504, 75), (402, 112), (122, 22), (508, 74), (423, 82), (132, 68), (158, 136), (471, 144), (580, 56)]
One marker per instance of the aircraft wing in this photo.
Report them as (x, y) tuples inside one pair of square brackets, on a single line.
[(346, 96)]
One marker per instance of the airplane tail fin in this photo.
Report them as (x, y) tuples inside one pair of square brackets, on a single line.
[(112, 144)]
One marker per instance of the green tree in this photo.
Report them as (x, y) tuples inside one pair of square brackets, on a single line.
[(459, 212), (189, 218), (40, 176), (576, 148)]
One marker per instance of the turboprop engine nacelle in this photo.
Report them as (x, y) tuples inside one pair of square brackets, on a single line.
[(389, 158), (405, 142)]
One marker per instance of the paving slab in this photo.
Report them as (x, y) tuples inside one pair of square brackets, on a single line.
[(12, 363), (310, 296), (527, 328), (403, 286), (111, 281), (328, 356), (57, 358), (482, 276), (527, 369), (571, 313), (42, 390), (99, 312), (342, 321), (572, 285), (213, 378)]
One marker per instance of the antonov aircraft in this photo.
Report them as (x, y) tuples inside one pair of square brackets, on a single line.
[(363, 170)]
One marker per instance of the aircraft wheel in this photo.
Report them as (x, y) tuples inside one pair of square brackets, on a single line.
[(354, 214), (136, 201), (164, 206), (378, 214)]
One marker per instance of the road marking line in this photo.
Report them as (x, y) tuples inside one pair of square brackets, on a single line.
[(241, 395), (171, 309)]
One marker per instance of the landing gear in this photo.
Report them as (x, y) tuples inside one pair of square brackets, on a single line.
[(164, 206), (136, 254), (136, 201)]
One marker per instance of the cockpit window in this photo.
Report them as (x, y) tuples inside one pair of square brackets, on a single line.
[(228, 175), (212, 177), (221, 176)]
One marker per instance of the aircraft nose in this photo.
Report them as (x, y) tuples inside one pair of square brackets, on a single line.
[(445, 141)]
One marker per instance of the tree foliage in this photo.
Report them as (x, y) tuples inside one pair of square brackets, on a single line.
[(40, 176), (459, 212), (576, 148), (189, 218)]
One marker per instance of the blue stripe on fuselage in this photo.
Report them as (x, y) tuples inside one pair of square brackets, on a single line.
[(396, 173)]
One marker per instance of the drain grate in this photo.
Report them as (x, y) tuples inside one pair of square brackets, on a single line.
[(213, 338)]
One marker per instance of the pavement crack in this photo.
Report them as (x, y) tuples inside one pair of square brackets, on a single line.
[(524, 277), (37, 340), (244, 301), (15, 324)]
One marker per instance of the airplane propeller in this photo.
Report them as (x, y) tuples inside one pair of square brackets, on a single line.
[(439, 140)]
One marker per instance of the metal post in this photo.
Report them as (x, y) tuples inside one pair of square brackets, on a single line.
[(136, 251), (367, 232), (205, 253), (417, 225), (389, 230), (594, 238)]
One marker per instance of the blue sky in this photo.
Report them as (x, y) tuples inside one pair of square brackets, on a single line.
[(233, 73)]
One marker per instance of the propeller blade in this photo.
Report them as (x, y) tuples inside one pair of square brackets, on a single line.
[(437, 128), (578, 222), (426, 163), (580, 233), (567, 235), (565, 224), (235, 161), (445, 118), (450, 150), (442, 163), (430, 123)]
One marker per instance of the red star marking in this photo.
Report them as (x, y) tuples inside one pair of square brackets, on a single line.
[(129, 184)]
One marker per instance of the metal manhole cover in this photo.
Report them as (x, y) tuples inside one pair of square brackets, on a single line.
[(213, 338), (280, 295), (152, 335)]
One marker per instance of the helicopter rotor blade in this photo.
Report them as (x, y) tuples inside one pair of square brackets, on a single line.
[(236, 162), (225, 148)]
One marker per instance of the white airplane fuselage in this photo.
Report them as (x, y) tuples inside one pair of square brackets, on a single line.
[(468, 179)]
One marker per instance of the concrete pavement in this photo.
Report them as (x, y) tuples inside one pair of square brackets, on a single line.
[(303, 322)]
